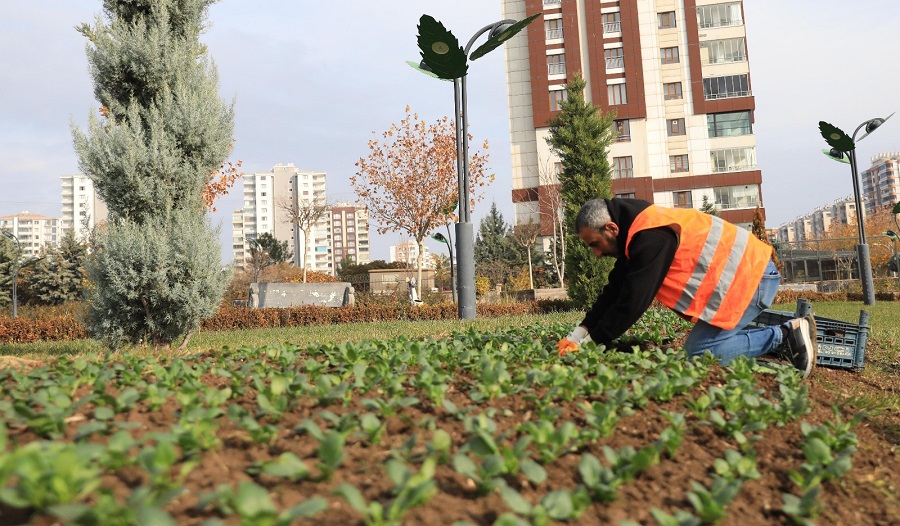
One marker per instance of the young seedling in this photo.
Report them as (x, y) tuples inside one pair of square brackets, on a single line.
[(559, 505)]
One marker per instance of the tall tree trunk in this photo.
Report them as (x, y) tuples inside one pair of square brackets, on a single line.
[(530, 272), (305, 252)]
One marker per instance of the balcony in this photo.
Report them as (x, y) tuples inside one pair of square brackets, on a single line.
[(727, 95), (722, 168)]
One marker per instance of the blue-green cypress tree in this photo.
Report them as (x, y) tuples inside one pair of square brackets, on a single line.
[(580, 136), (161, 131)]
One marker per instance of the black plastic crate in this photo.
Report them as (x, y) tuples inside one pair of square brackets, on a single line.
[(840, 344)]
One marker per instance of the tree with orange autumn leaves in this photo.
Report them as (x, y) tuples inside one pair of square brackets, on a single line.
[(409, 180), (844, 237), (221, 181)]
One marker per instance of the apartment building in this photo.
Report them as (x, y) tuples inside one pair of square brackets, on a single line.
[(408, 252), (881, 182), (818, 222), (677, 75), (271, 202), (349, 233), (82, 208), (33, 232)]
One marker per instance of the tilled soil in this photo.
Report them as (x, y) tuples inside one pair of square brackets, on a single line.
[(867, 495)]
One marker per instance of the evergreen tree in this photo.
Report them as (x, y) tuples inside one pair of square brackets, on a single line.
[(493, 242), (580, 136), (266, 251), (161, 133), (7, 263), (59, 276), (495, 253), (708, 207)]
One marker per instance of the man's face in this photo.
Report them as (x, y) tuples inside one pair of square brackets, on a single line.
[(602, 242)]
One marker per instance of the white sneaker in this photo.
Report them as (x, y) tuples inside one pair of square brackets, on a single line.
[(801, 340)]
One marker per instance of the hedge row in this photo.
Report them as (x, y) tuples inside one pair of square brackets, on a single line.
[(48, 328), (68, 327)]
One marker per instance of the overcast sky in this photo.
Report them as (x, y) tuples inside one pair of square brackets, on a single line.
[(311, 81)]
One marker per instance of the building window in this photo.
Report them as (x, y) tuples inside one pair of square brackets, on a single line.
[(675, 127), (729, 124), (678, 163), (554, 28), (617, 94), (719, 15), (558, 167), (733, 159), (666, 20), (723, 51), (622, 168), (629, 195), (726, 87), (556, 98), (612, 23), (556, 64), (682, 199), (623, 130), (669, 55), (262, 194), (615, 58), (732, 197), (672, 90)]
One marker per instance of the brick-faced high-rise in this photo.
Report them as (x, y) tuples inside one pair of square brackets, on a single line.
[(676, 72)]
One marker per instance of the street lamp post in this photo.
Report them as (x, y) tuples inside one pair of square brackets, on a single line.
[(844, 145), (437, 236), (15, 272), (444, 58)]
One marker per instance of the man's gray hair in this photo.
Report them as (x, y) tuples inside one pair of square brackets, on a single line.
[(594, 214)]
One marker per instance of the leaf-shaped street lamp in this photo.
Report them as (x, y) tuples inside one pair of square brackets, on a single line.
[(440, 50), (835, 137), (837, 155), (442, 57), (500, 33), (843, 149)]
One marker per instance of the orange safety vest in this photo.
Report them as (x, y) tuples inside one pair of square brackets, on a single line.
[(717, 266)]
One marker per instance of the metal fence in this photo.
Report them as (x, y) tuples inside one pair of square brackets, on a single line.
[(819, 260)]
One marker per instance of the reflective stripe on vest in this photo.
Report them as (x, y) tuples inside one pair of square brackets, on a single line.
[(717, 266)]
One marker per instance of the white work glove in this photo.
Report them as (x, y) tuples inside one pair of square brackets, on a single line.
[(572, 341)]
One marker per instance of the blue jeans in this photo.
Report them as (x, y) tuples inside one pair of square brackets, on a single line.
[(740, 341)]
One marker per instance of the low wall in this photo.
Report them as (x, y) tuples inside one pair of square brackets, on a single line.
[(263, 295)]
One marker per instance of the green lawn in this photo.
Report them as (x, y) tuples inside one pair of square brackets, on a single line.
[(884, 316)]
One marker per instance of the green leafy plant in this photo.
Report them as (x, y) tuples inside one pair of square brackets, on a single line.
[(558, 505), (253, 506)]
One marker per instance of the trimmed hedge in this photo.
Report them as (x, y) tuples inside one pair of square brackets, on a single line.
[(228, 318), (61, 326)]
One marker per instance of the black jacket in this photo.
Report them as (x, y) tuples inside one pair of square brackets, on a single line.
[(635, 280)]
